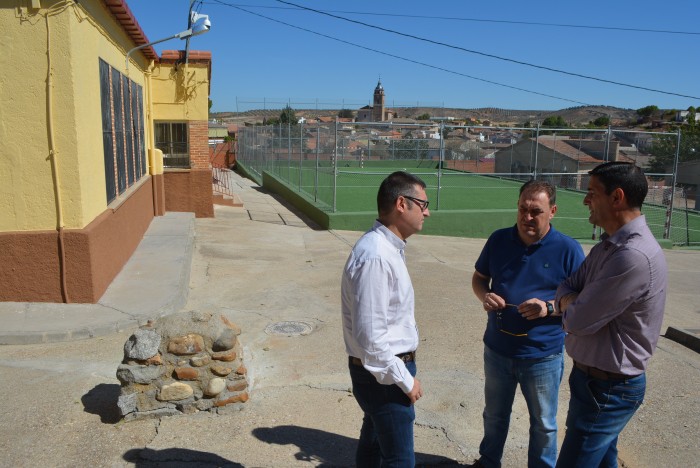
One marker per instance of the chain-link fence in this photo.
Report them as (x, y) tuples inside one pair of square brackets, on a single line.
[(338, 166)]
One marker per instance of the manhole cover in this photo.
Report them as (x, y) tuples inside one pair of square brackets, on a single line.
[(291, 328)]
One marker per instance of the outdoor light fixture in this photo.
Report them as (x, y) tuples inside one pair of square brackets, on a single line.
[(200, 24)]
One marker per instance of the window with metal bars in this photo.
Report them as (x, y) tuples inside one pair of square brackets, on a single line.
[(171, 139)]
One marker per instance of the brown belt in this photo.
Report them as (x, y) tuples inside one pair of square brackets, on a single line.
[(601, 374), (405, 357)]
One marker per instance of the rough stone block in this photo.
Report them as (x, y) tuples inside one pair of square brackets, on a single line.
[(175, 391), (184, 345), (127, 373), (215, 386), (199, 361), (237, 386), (181, 364), (186, 373), (127, 403), (226, 356), (225, 341), (221, 371), (241, 398), (143, 344)]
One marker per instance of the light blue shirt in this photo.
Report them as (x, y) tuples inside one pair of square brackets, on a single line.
[(615, 322), (378, 306)]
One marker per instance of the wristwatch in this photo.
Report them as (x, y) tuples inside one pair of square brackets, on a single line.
[(550, 308)]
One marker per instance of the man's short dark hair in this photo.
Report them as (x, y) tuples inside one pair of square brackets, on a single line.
[(627, 176), (396, 184), (532, 187)]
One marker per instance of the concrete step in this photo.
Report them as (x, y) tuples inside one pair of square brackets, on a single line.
[(227, 200)]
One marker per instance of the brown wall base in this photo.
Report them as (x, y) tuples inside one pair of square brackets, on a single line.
[(94, 255), (189, 190)]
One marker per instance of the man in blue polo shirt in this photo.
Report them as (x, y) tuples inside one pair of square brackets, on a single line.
[(516, 278)]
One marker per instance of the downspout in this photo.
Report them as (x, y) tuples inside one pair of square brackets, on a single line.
[(153, 167), (53, 153)]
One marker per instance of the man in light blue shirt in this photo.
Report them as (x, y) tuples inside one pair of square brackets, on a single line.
[(612, 311), (379, 326)]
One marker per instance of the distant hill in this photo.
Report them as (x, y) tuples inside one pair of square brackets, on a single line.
[(575, 116)]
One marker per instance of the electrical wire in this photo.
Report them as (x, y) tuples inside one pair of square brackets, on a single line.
[(482, 20), (403, 58), (484, 54)]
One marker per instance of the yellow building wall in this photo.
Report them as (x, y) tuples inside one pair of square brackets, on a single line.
[(26, 189), (99, 39), (186, 97), (77, 35)]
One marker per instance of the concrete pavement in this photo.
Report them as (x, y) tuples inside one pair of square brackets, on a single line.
[(263, 265)]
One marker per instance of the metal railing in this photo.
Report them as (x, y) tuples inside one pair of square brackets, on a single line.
[(326, 161)]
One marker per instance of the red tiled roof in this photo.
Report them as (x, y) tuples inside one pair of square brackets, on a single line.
[(563, 147), (128, 22), (198, 56)]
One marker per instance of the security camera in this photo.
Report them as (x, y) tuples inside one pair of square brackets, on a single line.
[(199, 23), (199, 18)]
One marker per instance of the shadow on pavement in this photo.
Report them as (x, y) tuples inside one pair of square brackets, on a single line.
[(325, 449), (175, 457), (102, 400)]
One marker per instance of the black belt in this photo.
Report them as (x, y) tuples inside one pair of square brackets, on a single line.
[(405, 357), (601, 374)]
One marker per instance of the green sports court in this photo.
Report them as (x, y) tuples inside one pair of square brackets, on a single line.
[(465, 205)]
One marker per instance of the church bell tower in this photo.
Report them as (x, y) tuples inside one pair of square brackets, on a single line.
[(378, 107)]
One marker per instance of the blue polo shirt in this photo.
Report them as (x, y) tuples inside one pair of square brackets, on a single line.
[(518, 273)]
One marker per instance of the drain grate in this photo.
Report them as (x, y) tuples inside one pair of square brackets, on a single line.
[(290, 328)]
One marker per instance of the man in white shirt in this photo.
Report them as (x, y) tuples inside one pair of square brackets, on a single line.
[(379, 326)]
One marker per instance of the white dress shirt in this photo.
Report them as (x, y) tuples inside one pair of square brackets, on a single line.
[(378, 306)]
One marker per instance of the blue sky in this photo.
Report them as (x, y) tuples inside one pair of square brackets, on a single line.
[(266, 53)]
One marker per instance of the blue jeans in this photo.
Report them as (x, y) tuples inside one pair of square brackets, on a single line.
[(539, 381), (386, 437), (598, 411)]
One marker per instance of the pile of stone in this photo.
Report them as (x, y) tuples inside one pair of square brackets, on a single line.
[(182, 363)]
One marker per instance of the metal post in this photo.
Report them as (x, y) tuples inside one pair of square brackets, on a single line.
[(335, 166), (669, 212), (441, 161), (318, 144), (289, 150), (273, 159), (301, 150), (607, 142), (537, 146)]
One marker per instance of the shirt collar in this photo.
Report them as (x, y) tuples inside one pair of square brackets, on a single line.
[(388, 235), (516, 238), (625, 232)]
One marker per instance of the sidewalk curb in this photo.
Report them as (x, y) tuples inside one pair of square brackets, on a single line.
[(153, 283), (684, 337)]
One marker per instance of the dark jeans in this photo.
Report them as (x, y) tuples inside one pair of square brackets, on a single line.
[(539, 380), (386, 437), (598, 411)]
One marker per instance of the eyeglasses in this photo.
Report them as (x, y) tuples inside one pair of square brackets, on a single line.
[(422, 204)]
